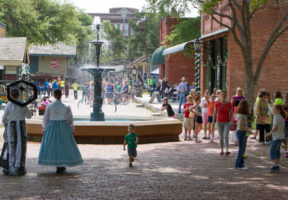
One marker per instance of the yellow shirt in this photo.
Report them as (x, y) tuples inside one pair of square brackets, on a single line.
[(75, 86), (62, 83)]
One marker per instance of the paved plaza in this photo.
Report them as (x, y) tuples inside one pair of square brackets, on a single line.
[(175, 170)]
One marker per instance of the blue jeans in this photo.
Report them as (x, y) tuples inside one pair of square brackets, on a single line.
[(241, 135), (182, 100), (275, 149)]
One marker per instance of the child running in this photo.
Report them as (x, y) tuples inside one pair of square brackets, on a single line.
[(197, 109), (188, 122), (211, 122), (168, 107), (132, 140), (278, 133)]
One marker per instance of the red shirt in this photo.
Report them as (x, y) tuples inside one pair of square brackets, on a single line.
[(186, 113), (223, 111)]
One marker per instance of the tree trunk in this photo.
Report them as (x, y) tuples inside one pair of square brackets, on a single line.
[(250, 86)]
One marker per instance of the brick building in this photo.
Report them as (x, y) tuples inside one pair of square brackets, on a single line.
[(119, 17), (225, 66), (176, 65)]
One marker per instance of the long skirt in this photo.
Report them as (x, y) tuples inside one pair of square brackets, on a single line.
[(13, 154), (58, 147)]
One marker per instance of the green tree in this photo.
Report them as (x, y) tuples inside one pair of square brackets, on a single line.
[(117, 42), (146, 35), (239, 23)]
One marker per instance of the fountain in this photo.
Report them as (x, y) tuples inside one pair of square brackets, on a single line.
[(97, 114), (98, 131)]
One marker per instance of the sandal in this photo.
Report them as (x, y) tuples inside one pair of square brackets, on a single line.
[(221, 153), (227, 153)]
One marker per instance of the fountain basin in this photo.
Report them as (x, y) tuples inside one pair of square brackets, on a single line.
[(149, 130)]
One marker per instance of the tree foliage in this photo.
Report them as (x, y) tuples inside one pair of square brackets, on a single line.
[(44, 21), (117, 43), (185, 30), (146, 35)]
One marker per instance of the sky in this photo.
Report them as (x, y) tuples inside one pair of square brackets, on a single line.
[(99, 5)]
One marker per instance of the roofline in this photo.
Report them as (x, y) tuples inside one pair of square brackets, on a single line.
[(58, 55), (3, 25)]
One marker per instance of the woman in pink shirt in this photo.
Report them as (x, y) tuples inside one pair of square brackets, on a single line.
[(223, 112)]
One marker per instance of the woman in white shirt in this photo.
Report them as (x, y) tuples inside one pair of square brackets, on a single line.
[(58, 147), (13, 154)]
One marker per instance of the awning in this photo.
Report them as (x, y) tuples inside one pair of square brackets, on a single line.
[(155, 72), (215, 33), (187, 46), (158, 57)]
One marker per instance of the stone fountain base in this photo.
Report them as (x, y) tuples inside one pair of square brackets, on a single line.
[(113, 132)]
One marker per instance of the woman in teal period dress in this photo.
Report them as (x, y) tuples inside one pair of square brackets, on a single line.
[(58, 147)]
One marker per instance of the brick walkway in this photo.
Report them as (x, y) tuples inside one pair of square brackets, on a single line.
[(179, 170)]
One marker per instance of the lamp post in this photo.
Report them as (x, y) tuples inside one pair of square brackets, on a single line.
[(197, 48)]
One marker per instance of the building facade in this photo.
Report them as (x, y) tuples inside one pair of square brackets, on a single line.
[(119, 17), (50, 60), (223, 65), (176, 65)]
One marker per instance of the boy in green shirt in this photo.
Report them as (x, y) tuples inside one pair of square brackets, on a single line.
[(132, 140)]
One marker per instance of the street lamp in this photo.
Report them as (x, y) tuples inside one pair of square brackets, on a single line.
[(197, 48)]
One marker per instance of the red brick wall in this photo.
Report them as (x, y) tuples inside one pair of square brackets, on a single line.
[(176, 65), (275, 68)]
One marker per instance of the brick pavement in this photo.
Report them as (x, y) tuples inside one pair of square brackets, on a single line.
[(176, 170)]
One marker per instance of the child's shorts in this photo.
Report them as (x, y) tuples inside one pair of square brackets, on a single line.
[(275, 149), (199, 119), (210, 119), (188, 123), (132, 152)]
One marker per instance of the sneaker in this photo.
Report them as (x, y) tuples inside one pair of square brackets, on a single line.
[(243, 168), (263, 143), (227, 153), (189, 138), (269, 142), (130, 165), (253, 138), (221, 153), (274, 169), (185, 138), (244, 156), (205, 138)]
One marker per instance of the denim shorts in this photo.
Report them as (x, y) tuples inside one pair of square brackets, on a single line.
[(275, 149), (132, 152)]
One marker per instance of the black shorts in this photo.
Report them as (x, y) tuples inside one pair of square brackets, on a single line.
[(210, 119), (199, 119), (132, 152)]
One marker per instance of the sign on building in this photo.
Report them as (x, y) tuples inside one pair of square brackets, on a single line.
[(55, 63)]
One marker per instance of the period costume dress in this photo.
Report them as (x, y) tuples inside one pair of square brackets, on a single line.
[(58, 147), (13, 154)]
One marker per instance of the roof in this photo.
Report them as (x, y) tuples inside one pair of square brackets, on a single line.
[(13, 51), (58, 49), (158, 57)]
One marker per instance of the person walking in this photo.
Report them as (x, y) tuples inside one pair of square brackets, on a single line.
[(224, 114), (182, 89), (67, 87), (13, 154), (58, 146), (242, 129), (75, 89)]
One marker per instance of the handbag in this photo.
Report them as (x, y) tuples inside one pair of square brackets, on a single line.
[(233, 126), (191, 115)]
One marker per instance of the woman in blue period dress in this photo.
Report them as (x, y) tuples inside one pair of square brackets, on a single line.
[(58, 147), (13, 154)]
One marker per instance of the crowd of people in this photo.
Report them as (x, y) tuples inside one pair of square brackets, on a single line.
[(269, 116)]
